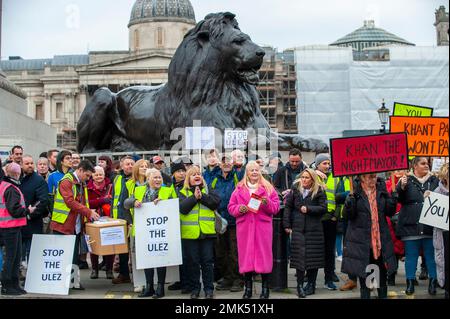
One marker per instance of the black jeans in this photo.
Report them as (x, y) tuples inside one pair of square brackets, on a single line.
[(150, 274), (329, 232), (311, 276), (12, 239), (76, 250), (200, 255), (124, 270), (383, 272), (227, 256), (446, 251)]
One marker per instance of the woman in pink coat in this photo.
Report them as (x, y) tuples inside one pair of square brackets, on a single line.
[(254, 227)]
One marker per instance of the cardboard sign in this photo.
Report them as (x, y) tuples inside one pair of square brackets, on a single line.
[(199, 138), (158, 238), (235, 139), (368, 154), (402, 109), (50, 264), (427, 136), (435, 211)]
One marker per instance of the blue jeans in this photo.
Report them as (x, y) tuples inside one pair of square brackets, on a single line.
[(412, 251), (339, 244), (1, 258)]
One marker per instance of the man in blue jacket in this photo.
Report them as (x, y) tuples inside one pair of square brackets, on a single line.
[(34, 189), (226, 247)]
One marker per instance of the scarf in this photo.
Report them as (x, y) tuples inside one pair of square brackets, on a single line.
[(375, 229), (101, 186), (422, 180), (252, 188)]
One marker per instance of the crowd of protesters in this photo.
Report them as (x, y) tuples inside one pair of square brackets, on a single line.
[(364, 220)]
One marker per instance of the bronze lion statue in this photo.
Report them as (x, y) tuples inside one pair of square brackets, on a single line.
[(211, 78)]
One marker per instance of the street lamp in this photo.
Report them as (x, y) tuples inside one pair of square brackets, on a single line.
[(383, 113)]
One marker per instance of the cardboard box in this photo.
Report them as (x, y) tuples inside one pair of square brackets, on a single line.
[(107, 236)]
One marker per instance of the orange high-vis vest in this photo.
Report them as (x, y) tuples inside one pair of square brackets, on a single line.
[(6, 220)]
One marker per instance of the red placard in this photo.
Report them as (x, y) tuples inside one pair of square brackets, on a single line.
[(369, 154)]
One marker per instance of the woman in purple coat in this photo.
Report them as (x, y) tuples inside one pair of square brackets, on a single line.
[(253, 204)]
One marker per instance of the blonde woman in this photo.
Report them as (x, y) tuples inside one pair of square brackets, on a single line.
[(153, 192), (135, 185), (254, 227), (305, 206), (198, 232)]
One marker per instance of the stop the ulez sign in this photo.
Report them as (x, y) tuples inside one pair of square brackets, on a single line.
[(368, 154)]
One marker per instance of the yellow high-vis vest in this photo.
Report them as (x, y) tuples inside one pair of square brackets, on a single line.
[(139, 191), (200, 220), (117, 191), (60, 209)]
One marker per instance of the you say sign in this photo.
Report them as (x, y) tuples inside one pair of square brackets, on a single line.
[(435, 211), (50, 265)]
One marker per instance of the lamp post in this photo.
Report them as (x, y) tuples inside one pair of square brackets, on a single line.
[(383, 113)]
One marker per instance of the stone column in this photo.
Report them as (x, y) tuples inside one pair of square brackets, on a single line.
[(47, 108)]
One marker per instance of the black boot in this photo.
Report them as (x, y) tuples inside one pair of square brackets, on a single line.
[(265, 292), (8, 289), (432, 287), (159, 291), (391, 280), (365, 293), (248, 291), (382, 292), (300, 291), (148, 291), (310, 288), (409, 287), (423, 274)]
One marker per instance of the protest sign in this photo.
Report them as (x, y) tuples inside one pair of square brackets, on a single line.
[(402, 109), (368, 154), (50, 264), (427, 136), (158, 238), (435, 211), (235, 139), (199, 138), (437, 164)]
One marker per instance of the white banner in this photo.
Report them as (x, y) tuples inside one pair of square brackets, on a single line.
[(50, 264), (158, 238), (435, 211), (200, 138)]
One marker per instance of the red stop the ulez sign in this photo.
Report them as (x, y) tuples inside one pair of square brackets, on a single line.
[(369, 154)]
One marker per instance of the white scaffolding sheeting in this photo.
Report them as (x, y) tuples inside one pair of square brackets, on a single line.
[(336, 93)]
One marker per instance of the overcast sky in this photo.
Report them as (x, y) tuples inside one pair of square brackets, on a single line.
[(43, 28)]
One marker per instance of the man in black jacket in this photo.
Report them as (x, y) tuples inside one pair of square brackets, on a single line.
[(13, 214), (34, 189), (285, 176)]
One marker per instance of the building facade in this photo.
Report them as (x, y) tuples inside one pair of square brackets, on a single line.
[(441, 25)]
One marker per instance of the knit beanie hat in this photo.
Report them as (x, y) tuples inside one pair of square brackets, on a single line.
[(321, 157), (177, 166)]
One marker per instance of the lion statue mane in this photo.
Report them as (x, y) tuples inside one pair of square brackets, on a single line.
[(211, 78)]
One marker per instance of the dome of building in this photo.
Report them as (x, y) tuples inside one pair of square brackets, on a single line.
[(369, 36), (162, 10)]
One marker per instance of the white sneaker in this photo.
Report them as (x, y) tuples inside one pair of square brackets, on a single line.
[(138, 289), (339, 258)]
